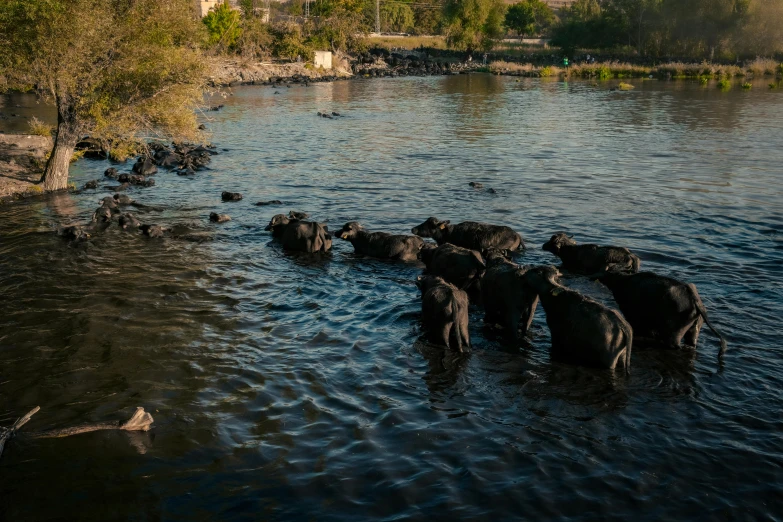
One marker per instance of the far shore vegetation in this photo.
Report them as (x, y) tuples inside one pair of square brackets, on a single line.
[(127, 71)]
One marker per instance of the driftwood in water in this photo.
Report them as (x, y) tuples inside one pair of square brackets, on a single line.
[(8, 434), (140, 421)]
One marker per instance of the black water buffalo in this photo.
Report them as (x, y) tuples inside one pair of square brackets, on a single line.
[(661, 310), (129, 221), (381, 244), (444, 312), (293, 214), (304, 236), (91, 184), (584, 332), (73, 233), (507, 300), (270, 202), (152, 230), (219, 218), (145, 167), (111, 172), (231, 196), (591, 259), (469, 234), (102, 214), (110, 202), (459, 266)]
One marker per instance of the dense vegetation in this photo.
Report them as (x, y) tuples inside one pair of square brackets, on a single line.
[(118, 70), (694, 29), (702, 29)]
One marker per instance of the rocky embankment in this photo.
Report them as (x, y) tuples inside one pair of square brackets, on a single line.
[(382, 63), (21, 164), (235, 72), (374, 64)]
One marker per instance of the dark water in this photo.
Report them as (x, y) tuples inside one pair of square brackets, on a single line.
[(290, 387)]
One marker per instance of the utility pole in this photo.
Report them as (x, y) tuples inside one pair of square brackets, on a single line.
[(378, 16), (307, 9)]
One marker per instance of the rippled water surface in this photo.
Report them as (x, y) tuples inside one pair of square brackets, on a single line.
[(296, 387)]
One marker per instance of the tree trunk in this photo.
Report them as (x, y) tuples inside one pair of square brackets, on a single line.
[(55, 176)]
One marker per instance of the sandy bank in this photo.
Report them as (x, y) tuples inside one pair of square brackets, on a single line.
[(21, 159)]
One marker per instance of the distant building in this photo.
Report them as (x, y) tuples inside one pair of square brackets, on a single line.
[(206, 5)]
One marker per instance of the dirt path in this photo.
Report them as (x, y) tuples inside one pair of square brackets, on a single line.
[(21, 159)]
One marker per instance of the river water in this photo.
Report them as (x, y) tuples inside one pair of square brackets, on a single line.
[(294, 387)]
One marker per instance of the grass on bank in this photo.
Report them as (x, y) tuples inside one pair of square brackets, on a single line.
[(407, 42), (39, 128), (610, 70)]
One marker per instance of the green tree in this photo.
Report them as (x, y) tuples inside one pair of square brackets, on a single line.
[(115, 69), (224, 26), (529, 17), (473, 24), (427, 16), (396, 16)]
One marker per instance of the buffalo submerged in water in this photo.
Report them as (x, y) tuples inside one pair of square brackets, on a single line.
[(470, 234)]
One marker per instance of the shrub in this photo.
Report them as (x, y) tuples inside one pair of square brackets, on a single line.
[(546, 72), (39, 128), (604, 73), (724, 85), (747, 86), (223, 24), (703, 80), (289, 42)]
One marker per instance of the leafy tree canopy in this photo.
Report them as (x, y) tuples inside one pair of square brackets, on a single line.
[(473, 24), (115, 69)]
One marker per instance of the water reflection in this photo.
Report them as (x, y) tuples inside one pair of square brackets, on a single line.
[(298, 386)]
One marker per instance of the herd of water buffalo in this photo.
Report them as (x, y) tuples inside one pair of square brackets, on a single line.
[(472, 262)]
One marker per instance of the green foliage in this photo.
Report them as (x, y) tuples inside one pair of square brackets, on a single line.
[(625, 86), (289, 42), (703, 80), (529, 17), (546, 72), (694, 28), (113, 68), (605, 73), (473, 24), (256, 40), (747, 86), (39, 128), (223, 24), (780, 69), (724, 85), (396, 16)]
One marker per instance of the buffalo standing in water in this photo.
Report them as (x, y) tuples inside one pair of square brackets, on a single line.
[(591, 259), (304, 236), (507, 301), (661, 310), (584, 332), (459, 266), (469, 234), (444, 312), (381, 244)]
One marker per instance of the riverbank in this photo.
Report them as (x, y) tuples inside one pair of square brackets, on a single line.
[(227, 72), (21, 160), (759, 68)]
